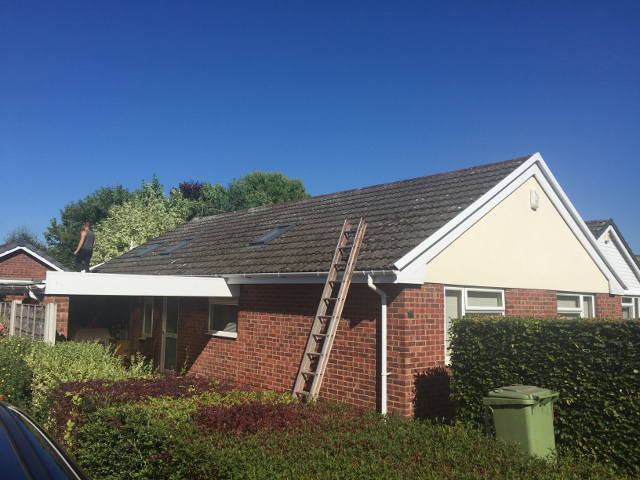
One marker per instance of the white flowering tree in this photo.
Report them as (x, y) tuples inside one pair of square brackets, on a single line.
[(148, 214)]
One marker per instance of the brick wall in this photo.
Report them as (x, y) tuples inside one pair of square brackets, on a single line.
[(530, 303), (62, 313), (608, 306), (274, 321), (21, 265)]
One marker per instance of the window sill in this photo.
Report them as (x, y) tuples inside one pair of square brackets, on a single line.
[(215, 333)]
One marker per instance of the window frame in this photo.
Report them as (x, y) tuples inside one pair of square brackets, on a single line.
[(634, 303), (466, 309), (222, 301), (568, 311), (147, 301)]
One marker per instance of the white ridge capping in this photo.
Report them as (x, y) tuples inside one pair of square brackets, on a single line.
[(412, 266)]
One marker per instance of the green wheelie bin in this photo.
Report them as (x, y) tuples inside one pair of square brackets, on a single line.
[(522, 414)]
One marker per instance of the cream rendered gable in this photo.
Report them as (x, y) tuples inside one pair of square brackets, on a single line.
[(514, 246)]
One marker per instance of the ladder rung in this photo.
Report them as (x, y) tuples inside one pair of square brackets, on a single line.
[(309, 374), (319, 336), (330, 299), (313, 354), (351, 232), (303, 393)]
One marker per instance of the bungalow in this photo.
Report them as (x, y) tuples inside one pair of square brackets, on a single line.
[(23, 269), (619, 254), (233, 296)]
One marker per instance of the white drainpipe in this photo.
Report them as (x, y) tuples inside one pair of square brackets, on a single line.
[(383, 344)]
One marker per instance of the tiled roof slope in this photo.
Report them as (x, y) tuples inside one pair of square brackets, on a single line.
[(399, 216), (7, 247), (597, 226)]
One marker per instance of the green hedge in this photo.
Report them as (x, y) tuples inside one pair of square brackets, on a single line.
[(15, 374), (222, 434), (593, 363)]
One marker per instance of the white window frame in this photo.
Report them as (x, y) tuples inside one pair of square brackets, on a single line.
[(147, 301), (567, 312), (213, 301), (634, 303), (466, 309)]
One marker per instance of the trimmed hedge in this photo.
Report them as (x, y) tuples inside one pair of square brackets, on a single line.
[(15, 374), (226, 434), (593, 363)]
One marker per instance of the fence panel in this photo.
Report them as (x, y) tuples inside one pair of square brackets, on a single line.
[(32, 321)]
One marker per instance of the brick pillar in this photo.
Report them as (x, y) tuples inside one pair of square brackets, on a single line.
[(62, 315), (608, 306)]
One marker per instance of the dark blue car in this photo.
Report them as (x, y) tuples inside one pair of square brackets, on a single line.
[(28, 452)]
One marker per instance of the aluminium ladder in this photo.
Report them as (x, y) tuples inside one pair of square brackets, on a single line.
[(325, 324)]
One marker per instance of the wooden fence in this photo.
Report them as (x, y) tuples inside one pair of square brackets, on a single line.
[(32, 321)]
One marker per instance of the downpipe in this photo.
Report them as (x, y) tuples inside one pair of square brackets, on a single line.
[(383, 344)]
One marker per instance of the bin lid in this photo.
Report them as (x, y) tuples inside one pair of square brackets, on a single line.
[(523, 392)]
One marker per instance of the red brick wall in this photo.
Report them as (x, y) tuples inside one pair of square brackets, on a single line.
[(608, 306), (21, 265), (62, 313), (274, 321), (530, 303)]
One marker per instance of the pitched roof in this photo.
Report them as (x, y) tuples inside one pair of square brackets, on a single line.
[(598, 227), (399, 216), (34, 251)]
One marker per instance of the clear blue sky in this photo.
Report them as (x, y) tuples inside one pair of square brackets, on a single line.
[(339, 94)]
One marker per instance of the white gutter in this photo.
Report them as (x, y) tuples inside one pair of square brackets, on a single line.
[(383, 344), (386, 276)]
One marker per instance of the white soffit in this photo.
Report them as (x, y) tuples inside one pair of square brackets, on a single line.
[(413, 264), (72, 283)]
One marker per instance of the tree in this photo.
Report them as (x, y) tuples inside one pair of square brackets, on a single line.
[(148, 214), (24, 233), (253, 190), (62, 238)]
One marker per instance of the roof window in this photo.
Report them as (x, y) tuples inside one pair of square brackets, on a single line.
[(147, 250), (177, 246), (271, 235)]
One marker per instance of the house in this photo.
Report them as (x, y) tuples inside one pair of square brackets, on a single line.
[(617, 250), (232, 296), (23, 269)]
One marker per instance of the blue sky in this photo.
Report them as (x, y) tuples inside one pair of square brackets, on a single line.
[(339, 94)]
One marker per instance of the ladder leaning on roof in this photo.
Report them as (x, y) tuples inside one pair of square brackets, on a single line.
[(325, 324)]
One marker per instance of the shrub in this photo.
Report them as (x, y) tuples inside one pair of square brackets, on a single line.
[(162, 438), (593, 363), (15, 374), (73, 361)]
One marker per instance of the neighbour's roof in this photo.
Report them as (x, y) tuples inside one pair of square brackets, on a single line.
[(26, 246), (399, 216), (598, 227)]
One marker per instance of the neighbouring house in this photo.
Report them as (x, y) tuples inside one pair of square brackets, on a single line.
[(23, 269), (232, 296), (617, 250)]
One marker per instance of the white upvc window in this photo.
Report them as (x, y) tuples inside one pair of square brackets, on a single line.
[(576, 305), (147, 324), (630, 307), (223, 317), (461, 301)]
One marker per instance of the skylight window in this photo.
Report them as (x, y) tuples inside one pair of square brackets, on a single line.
[(150, 248), (177, 246), (271, 235)]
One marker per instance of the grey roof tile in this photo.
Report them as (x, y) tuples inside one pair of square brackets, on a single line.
[(399, 216)]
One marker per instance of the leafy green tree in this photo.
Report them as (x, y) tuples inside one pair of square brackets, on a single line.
[(263, 188), (62, 237), (24, 233), (148, 214)]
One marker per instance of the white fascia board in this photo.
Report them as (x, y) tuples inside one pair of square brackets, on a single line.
[(33, 254), (414, 263), (106, 284), (623, 251)]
